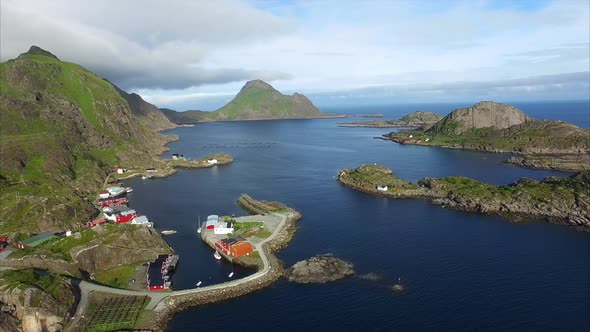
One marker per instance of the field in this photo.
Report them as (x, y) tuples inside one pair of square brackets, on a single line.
[(114, 313)]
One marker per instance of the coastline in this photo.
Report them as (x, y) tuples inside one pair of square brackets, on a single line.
[(551, 160), (523, 206)]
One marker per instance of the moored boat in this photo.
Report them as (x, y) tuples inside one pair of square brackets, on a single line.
[(217, 255), (169, 232)]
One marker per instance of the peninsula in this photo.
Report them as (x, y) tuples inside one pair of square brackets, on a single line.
[(416, 119), (494, 127), (257, 100), (557, 200)]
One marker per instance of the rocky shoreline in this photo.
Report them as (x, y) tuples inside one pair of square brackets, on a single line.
[(561, 201)]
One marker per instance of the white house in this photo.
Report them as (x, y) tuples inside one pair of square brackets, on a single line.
[(121, 170), (382, 188), (212, 161), (223, 228), (142, 220), (212, 221)]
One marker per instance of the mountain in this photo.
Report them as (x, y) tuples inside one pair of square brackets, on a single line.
[(415, 119), (184, 117), (485, 114), (257, 100), (421, 117), (62, 130), (495, 127)]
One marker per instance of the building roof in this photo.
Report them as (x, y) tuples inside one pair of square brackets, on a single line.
[(141, 219), (213, 216), (129, 211), (232, 240), (38, 239), (211, 222)]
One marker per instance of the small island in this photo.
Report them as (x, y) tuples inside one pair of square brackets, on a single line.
[(494, 127), (415, 120), (557, 200)]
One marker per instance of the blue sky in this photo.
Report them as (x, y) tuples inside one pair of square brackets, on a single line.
[(198, 54)]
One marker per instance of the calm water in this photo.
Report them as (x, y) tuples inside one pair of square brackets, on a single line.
[(461, 271)]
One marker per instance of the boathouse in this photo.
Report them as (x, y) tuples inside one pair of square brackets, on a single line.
[(234, 246), (212, 221)]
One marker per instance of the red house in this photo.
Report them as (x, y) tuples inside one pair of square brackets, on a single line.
[(112, 201), (235, 247), (125, 216)]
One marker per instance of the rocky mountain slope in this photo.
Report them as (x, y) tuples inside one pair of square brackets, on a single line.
[(494, 127), (485, 114), (558, 200), (256, 100), (62, 129), (35, 301), (415, 119)]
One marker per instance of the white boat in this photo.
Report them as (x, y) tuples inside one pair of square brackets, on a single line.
[(199, 283), (230, 275), (143, 177), (217, 255), (129, 189), (168, 232)]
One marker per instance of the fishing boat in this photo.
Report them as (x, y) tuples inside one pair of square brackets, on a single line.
[(169, 232), (217, 255)]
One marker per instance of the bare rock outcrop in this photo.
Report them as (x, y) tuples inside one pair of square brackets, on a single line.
[(319, 269), (484, 114)]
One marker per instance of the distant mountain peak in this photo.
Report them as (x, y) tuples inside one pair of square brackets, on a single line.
[(36, 50), (259, 84)]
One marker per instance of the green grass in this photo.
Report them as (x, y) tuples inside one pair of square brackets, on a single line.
[(118, 277), (24, 278)]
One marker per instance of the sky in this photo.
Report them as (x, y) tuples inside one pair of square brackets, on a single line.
[(198, 54)]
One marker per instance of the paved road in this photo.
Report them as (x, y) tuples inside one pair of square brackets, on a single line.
[(157, 297)]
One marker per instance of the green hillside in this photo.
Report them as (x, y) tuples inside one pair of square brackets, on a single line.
[(62, 129), (256, 100)]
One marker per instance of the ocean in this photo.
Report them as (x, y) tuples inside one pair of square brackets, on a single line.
[(461, 271)]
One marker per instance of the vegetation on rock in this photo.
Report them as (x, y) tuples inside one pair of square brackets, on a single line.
[(256, 100), (496, 127), (415, 119), (554, 199), (62, 130)]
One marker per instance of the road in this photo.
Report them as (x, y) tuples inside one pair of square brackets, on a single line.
[(156, 297)]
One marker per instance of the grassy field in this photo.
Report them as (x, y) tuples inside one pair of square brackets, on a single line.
[(118, 277)]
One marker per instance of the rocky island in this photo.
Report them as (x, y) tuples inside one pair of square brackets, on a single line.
[(416, 119), (257, 100), (494, 127), (557, 200), (319, 269)]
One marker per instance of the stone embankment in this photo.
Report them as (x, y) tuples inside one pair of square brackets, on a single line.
[(561, 201)]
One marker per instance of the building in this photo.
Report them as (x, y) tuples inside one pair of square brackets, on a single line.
[(104, 194), (112, 201), (158, 273), (36, 240), (151, 170), (211, 161), (176, 156), (125, 216), (142, 220), (116, 191), (212, 221), (96, 222), (382, 188), (223, 228), (111, 212), (234, 246)]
